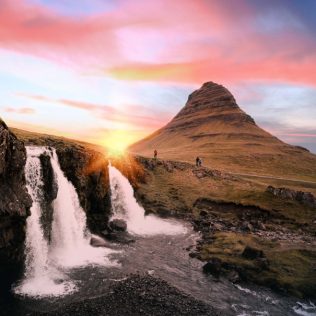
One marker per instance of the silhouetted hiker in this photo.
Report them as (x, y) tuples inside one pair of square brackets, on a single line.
[(197, 161), (155, 153)]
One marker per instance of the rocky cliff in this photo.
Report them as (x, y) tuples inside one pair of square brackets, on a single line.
[(86, 166), (88, 171), (15, 202)]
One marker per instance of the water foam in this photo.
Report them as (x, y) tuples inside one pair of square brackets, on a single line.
[(125, 207)]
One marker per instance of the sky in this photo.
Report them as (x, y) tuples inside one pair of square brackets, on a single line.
[(108, 71)]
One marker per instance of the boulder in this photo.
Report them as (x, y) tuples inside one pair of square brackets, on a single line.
[(252, 253), (97, 241), (118, 225), (233, 276), (213, 266), (305, 198)]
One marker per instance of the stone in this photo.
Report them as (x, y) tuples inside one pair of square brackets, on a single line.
[(118, 225), (252, 253), (97, 241), (233, 276), (305, 198), (203, 213), (213, 266)]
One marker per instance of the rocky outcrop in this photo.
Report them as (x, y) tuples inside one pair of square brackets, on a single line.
[(86, 167), (88, 171), (305, 198), (15, 202), (50, 189)]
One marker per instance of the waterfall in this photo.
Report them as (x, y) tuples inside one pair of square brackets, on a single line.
[(70, 236), (125, 206), (70, 243), (41, 278)]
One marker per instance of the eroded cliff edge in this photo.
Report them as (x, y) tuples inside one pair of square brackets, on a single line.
[(86, 166), (15, 202)]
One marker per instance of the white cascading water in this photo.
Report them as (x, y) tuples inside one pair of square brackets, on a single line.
[(70, 246), (40, 277), (125, 206), (70, 236)]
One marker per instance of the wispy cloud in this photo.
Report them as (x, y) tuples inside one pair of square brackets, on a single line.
[(20, 110), (107, 112)]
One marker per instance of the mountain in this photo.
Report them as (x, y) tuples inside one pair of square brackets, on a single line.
[(211, 125)]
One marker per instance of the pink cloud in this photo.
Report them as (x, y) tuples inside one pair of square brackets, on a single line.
[(189, 41), (107, 112), (20, 110)]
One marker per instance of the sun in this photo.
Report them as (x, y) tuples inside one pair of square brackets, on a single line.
[(117, 141)]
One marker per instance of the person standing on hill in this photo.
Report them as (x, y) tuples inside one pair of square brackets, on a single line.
[(155, 153), (197, 161)]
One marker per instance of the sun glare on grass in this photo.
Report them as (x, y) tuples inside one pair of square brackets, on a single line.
[(116, 142)]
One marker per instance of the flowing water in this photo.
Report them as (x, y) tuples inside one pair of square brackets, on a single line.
[(45, 264), (159, 250), (125, 206)]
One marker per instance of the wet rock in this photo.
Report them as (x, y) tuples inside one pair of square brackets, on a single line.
[(120, 237), (50, 189), (87, 169), (233, 276), (97, 241), (252, 253), (118, 225), (213, 266)]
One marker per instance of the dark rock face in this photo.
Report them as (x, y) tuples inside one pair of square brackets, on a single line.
[(305, 198), (15, 202), (214, 267), (50, 190), (210, 97), (118, 225), (252, 253), (88, 171)]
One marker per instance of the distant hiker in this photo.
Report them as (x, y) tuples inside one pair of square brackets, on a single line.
[(155, 153), (197, 161)]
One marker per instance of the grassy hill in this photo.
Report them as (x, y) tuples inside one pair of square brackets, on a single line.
[(212, 126)]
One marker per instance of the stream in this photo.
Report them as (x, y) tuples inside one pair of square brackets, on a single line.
[(159, 250)]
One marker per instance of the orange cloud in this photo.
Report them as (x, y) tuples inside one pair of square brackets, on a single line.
[(224, 70)]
